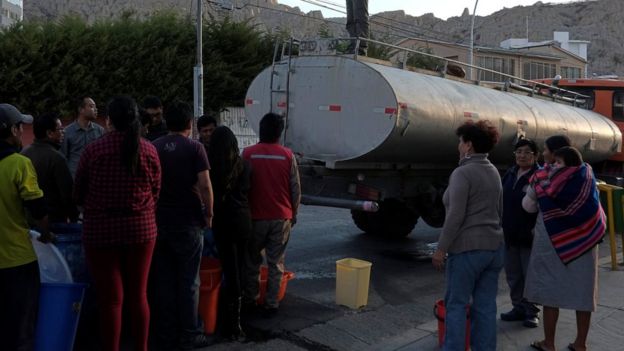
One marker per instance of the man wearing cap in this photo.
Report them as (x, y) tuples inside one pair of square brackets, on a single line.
[(80, 133), (19, 270)]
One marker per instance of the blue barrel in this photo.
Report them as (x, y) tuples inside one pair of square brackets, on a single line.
[(69, 243), (59, 312)]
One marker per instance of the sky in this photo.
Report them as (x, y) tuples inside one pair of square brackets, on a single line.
[(440, 8)]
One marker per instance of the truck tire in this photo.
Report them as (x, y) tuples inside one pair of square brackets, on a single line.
[(393, 220)]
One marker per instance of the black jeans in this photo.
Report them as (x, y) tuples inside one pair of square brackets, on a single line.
[(174, 285), (19, 304)]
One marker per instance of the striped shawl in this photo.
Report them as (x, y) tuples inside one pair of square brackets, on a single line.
[(570, 203)]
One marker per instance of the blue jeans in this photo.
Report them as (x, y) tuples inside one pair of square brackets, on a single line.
[(472, 274)]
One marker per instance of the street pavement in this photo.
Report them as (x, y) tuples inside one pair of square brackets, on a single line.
[(366, 330), (402, 292)]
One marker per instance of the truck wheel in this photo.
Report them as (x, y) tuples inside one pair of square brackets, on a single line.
[(393, 220), (434, 216)]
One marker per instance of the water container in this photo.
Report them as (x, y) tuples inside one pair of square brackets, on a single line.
[(210, 277), (439, 311), (59, 312), (69, 242), (52, 265), (264, 273), (352, 280)]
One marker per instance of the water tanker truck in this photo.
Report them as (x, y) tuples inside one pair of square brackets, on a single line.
[(367, 133)]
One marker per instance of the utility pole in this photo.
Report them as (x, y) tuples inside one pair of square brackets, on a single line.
[(472, 38), (198, 71)]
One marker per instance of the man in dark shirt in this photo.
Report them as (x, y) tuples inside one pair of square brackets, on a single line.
[(51, 166), (184, 208), (206, 124), (154, 109)]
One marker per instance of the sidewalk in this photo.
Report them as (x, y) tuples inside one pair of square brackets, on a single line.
[(606, 332)]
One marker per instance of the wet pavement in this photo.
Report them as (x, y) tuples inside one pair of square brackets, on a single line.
[(403, 289)]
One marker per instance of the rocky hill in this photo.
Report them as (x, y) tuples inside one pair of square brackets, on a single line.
[(595, 20)]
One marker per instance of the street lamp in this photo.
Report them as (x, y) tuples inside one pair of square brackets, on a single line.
[(198, 70), (472, 38)]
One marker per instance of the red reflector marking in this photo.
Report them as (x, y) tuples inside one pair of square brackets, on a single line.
[(281, 104), (390, 110), (471, 114), (249, 101), (335, 108)]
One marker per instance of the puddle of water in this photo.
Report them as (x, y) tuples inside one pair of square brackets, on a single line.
[(421, 252)]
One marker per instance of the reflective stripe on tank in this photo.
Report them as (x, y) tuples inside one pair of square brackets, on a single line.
[(268, 157)]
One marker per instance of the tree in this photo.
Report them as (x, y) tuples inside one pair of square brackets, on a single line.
[(45, 65), (424, 61)]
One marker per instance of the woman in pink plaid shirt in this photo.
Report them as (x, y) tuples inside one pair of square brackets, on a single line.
[(117, 183)]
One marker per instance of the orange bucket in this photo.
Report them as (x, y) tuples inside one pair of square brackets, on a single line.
[(439, 311), (210, 277), (264, 273)]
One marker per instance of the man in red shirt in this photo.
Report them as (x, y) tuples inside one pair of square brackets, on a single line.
[(274, 200)]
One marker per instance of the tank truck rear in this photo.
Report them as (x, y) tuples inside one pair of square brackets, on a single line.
[(366, 132)]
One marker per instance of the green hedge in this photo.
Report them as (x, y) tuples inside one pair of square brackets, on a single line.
[(45, 66)]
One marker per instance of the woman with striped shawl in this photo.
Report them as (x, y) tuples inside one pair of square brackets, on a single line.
[(563, 269)]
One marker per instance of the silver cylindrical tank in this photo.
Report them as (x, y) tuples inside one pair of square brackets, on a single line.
[(359, 114)]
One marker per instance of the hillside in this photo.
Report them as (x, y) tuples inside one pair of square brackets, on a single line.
[(595, 20)]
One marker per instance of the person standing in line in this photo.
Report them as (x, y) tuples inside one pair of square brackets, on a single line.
[(52, 171), (19, 269), (81, 133), (184, 208), (230, 176), (563, 269), (358, 23), (154, 109), (473, 238), (117, 182), (274, 200), (552, 144), (518, 227), (206, 125)]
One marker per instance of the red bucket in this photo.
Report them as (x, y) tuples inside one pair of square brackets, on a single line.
[(264, 273), (210, 276), (439, 311)]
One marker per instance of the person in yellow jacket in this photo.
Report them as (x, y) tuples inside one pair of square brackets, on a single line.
[(19, 270)]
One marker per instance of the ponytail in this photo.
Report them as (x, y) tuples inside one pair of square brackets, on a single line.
[(130, 147), (123, 113)]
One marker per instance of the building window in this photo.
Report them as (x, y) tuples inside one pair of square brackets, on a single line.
[(538, 70), (498, 64), (570, 72), (618, 106)]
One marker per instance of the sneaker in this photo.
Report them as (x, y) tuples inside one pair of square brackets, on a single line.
[(531, 322), (198, 341), (513, 315)]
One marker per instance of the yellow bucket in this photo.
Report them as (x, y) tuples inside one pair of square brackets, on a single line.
[(352, 280)]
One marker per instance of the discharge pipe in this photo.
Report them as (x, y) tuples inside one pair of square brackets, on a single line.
[(360, 205)]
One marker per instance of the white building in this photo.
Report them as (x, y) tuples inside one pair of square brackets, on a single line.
[(11, 11), (561, 40)]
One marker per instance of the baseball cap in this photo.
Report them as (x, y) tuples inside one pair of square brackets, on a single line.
[(9, 115)]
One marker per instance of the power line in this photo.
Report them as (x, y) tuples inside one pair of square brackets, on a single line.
[(422, 31), (381, 34)]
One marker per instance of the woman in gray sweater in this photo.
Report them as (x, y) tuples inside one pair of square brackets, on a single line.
[(472, 237)]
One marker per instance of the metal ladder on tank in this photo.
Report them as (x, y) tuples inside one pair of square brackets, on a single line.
[(278, 61)]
